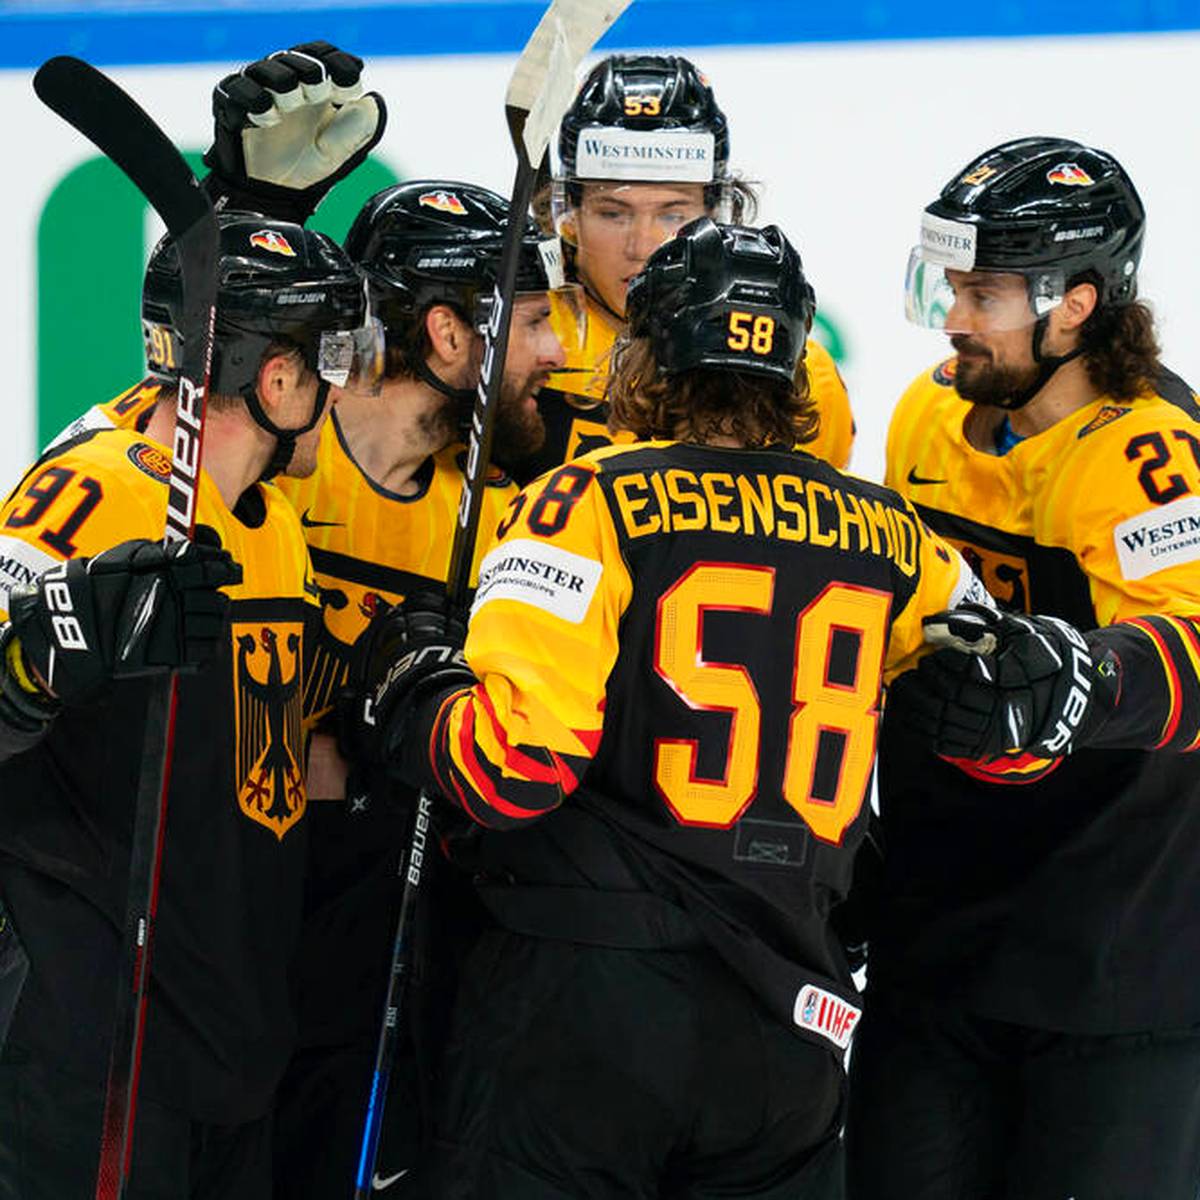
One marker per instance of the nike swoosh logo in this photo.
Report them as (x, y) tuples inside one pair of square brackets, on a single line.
[(379, 1184), (913, 477), (310, 524)]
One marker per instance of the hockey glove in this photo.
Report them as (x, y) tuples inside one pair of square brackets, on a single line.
[(406, 655), (1005, 684), (137, 609), (288, 127)]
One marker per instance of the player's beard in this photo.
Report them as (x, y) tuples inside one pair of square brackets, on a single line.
[(520, 429), (982, 381), (438, 427)]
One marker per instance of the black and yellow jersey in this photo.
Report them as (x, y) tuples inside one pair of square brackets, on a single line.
[(1058, 903), (371, 547), (576, 417), (220, 1025), (130, 409), (681, 651)]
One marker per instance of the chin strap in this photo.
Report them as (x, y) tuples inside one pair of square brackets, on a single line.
[(463, 398), (285, 439), (1047, 365)]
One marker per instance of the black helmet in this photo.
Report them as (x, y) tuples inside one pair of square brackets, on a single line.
[(644, 116), (724, 296), (1037, 206), (437, 242), (278, 283)]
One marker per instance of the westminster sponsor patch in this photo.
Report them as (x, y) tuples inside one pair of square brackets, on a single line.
[(1163, 537), (20, 565), (664, 155), (547, 577), (827, 1014), (948, 243)]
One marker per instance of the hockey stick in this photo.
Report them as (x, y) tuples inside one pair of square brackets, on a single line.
[(119, 127), (539, 93)]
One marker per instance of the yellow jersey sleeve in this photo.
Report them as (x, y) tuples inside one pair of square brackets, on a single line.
[(79, 503), (944, 580), (1129, 509), (1126, 503), (552, 590), (835, 441), (124, 411)]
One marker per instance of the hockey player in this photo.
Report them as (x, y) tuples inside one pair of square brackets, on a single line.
[(292, 320), (379, 515), (1032, 1009), (643, 150), (701, 622)]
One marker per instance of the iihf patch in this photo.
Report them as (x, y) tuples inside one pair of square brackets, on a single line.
[(1106, 416), (150, 460), (826, 1014), (944, 372)]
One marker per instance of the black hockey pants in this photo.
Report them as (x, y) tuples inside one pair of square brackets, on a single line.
[(589, 1073), (945, 1105)]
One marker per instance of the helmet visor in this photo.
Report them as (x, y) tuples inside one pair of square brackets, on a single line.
[(568, 317), (614, 227), (352, 359), (954, 300)]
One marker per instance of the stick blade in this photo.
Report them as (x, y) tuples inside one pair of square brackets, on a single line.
[(543, 82), (121, 129)]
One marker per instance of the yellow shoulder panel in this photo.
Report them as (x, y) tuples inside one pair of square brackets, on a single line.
[(1118, 485), (835, 440)]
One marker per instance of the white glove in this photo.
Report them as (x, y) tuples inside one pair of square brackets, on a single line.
[(289, 126)]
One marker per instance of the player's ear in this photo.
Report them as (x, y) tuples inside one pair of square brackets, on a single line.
[(450, 338), (278, 375), (1077, 305)]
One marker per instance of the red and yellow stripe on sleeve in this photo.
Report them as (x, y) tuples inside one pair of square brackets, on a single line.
[(543, 640), (1165, 681)]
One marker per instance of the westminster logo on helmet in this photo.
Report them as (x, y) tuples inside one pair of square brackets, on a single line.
[(446, 202), (1069, 174), (267, 722), (268, 239)]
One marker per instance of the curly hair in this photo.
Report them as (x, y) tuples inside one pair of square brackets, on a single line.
[(1120, 350), (703, 404)]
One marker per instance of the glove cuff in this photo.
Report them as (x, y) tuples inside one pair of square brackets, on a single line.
[(275, 202), (408, 748)]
